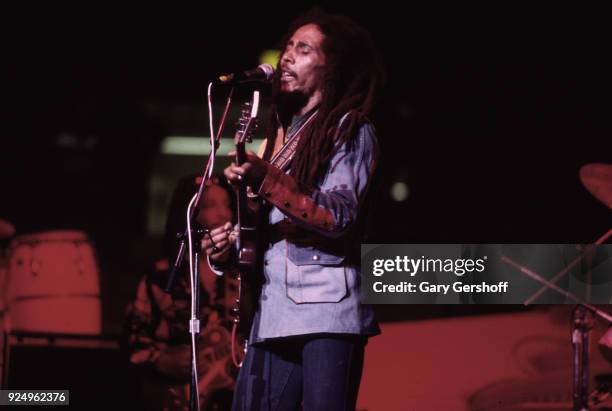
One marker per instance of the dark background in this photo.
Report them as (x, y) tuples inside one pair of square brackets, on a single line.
[(489, 112)]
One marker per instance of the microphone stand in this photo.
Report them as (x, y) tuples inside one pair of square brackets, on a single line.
[(196, 238), (181, 253)]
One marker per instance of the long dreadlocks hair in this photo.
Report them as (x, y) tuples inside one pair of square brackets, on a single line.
[(353, 75)]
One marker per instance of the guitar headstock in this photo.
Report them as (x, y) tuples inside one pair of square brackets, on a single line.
[(247, 123)]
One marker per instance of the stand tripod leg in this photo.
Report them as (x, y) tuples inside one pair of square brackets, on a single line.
[(582, 325)]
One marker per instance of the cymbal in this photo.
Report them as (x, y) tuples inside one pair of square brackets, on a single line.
[(597, 178), (6, 229)]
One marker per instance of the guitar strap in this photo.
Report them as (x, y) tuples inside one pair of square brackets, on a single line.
[(283, 158)]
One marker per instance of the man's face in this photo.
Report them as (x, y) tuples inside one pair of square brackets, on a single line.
[(302, 63)]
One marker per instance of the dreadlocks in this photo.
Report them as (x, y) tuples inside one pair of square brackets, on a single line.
[(353, 75)]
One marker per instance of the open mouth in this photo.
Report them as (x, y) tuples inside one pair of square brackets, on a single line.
[(287, 75)]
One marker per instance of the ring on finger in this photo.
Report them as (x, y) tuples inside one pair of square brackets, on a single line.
[(214, 248)]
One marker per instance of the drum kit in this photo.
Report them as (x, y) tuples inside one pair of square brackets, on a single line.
[(550, 392)]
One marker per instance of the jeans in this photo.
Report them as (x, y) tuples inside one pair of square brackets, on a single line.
[(319, 372)]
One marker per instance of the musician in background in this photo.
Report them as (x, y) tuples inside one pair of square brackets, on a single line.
[(157, 325), (309, 331)]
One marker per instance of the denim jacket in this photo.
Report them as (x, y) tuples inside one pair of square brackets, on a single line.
[(314, 287)]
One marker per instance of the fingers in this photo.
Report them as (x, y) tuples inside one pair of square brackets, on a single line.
[(218, 241), (224, 229), (234, 173), (217, 251), (232, 236), (250, 172)]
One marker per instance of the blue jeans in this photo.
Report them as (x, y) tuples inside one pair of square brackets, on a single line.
[(319, 372)]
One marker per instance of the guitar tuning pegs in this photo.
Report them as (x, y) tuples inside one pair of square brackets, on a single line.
[(249, 136)]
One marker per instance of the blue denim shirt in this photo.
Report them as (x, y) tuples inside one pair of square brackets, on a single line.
[(309, 289)]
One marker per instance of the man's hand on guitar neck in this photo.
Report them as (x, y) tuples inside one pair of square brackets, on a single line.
[(217, 243), (251, 172)]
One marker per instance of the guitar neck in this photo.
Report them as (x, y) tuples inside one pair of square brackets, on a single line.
[(241, 198), (246, 222), (240, 154)]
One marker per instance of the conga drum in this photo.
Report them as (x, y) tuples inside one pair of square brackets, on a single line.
[(54, 284)]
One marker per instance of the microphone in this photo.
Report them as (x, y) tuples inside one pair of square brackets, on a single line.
[(263, 72)]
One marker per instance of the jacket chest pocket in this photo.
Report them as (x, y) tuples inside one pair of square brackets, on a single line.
[(313, 276)]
